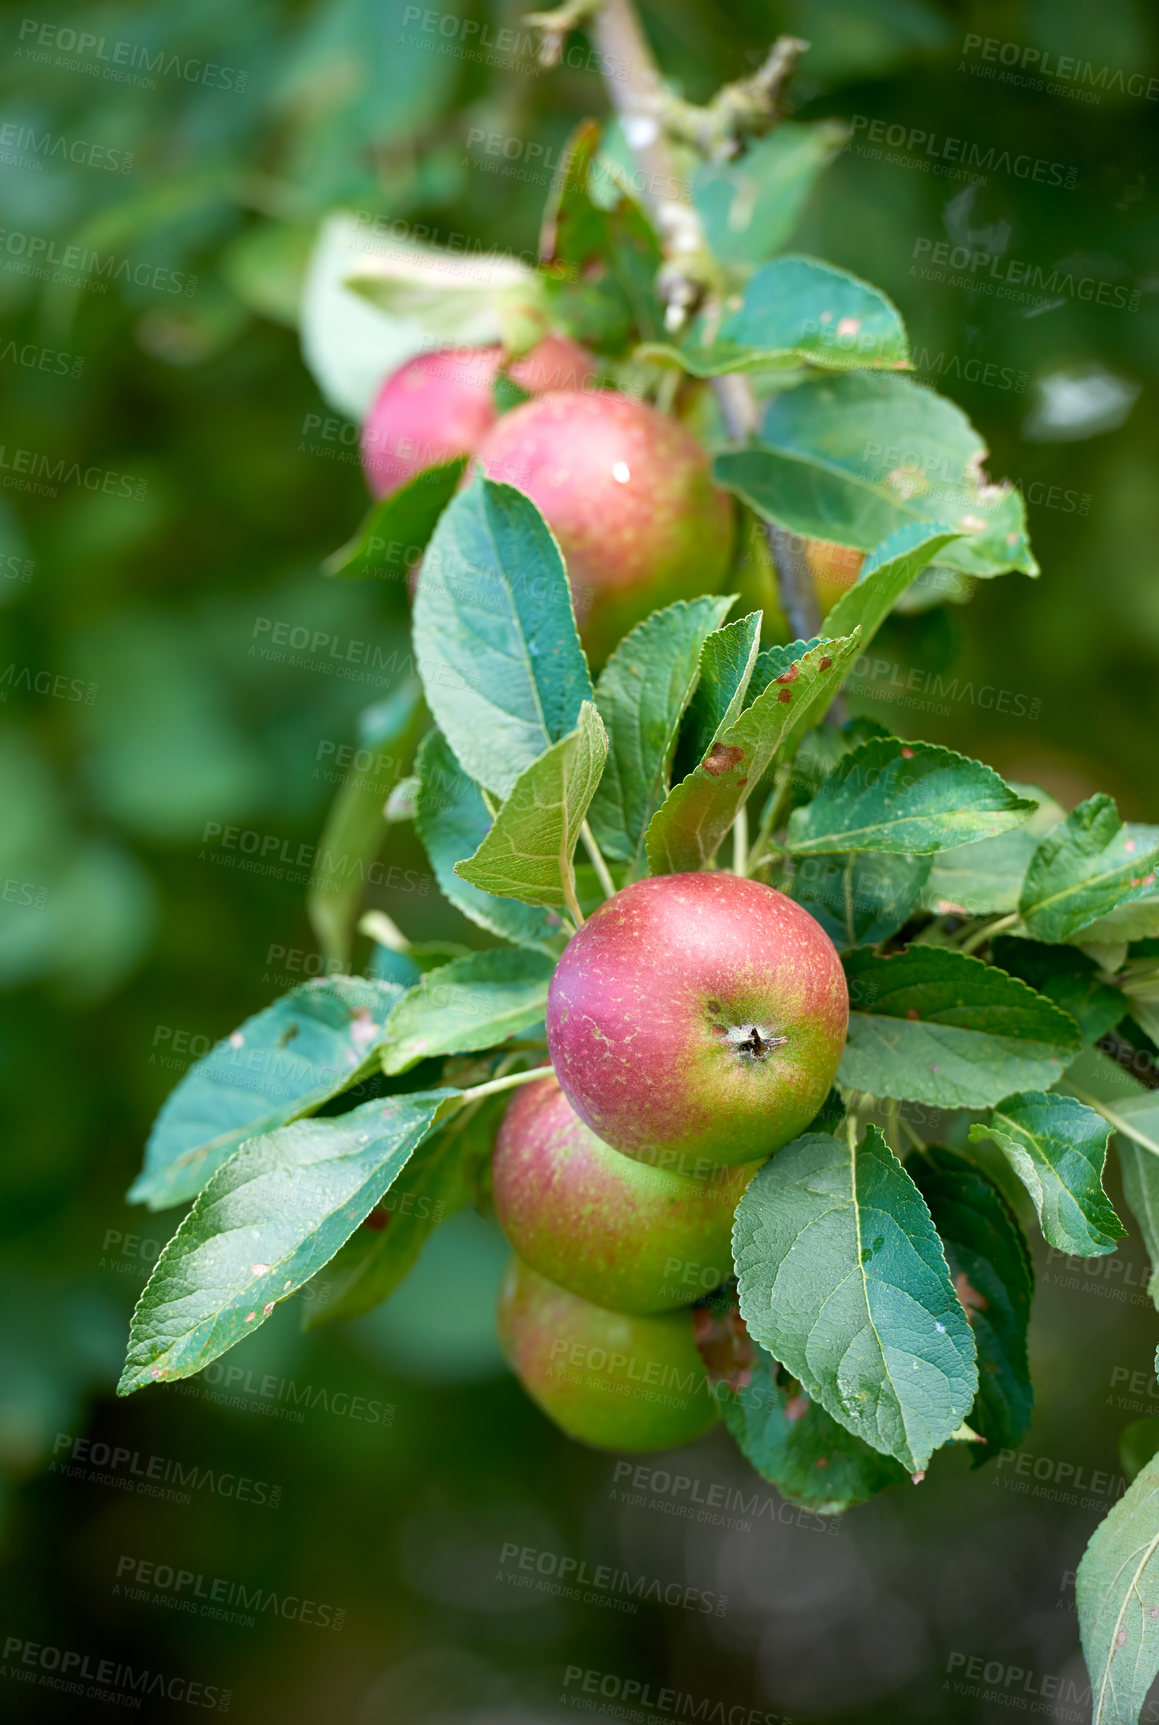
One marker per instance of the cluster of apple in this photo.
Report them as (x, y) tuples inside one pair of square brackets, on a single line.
[(695, 1024), (696, 1021), (626, 489)]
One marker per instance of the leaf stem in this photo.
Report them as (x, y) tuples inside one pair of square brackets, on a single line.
[(596, 858), (918, 1143), (740, 841), (782, 779), (981, 935), (570, 899), (494, 1085)]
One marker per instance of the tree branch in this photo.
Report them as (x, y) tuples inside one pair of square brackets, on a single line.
[(555, 27), (690, 274), (746, 109)]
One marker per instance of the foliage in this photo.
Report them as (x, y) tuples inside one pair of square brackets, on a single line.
[(181, 737)]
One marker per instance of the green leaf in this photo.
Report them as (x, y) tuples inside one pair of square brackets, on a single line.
[(286, 1061), (1117, 1594), (452, 821), (985, 879), (687, 829), (1135, 919), (1138, 1442), (991, 1268), (1085, 867), (859, 899), (1140, 988), (726, 665), (495, 635), (912, 798), (842, 1277), (1139, 1167), (853, 457), (396, 529), (751, 206), (641, 694), (797, 311), (791, 1441), (1058, 1147), (600, 260), (474, 1002), (1066, 976), (933, 1025), (529, 852), (884, 577), (441, 1178), (266, 1222), (355, 827)]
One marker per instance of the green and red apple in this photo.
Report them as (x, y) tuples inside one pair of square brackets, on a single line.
[(697, 1018), (610, 1379), (617, 1232), (628, 493)]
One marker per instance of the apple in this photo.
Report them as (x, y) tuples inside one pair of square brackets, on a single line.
[(628, 493), (621, 1233), (697, 1016), (834, 569), (440, 405), (607, 1378)]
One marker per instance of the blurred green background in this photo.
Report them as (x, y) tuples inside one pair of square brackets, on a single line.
[(166, 499)]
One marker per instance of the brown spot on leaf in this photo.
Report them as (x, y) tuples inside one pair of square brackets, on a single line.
[(907, 754), (377, 1219), (791, 675), (796, 1407), (912, 1012), (721, 758), (824, 664), (785, 695)]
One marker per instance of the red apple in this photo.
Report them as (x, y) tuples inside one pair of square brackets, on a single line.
[(628, 493), (440, 405), (636, 1238), (608, 1379), (698, 1015)]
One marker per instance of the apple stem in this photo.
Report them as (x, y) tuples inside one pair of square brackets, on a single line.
[(740, 841), (690, 276), (596, 858), (494, 1085)]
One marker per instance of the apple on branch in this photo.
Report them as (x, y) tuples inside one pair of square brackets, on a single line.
[(628, 493), (617, 1231), (610, 1379), (698, 1016)]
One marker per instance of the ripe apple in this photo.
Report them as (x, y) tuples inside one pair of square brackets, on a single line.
[(834, 569), (636, 1238), (611, 1380), (440, 405), (697, 1015), (628, 493)]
